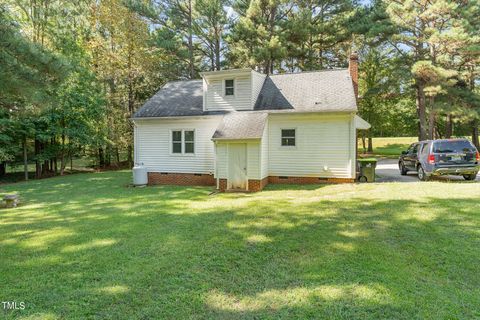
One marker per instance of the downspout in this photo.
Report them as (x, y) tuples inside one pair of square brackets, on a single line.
[(215, 166), (135, 147)]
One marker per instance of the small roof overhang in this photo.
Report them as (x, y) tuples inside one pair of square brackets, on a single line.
[(242, 125), (361, 124)]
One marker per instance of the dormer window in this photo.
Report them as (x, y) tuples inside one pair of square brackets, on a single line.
[(229, 87)]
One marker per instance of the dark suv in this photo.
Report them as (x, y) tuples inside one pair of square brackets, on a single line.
[(441, 157)]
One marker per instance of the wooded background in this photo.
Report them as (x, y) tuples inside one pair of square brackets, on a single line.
[(72, 73)]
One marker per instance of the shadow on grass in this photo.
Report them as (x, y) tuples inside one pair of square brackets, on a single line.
[(87, 247)]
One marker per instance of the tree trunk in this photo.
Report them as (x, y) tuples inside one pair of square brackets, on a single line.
[(190, 40), (38, 165), (421, 110), (101, 159), (212, 60), (108, 155), (25, 159), (431, 125), (449, 127), (364, 146), (130, 155), (475, 134), (3, 168), (62, 156), (45, 168), (438, 131), (217, 52)]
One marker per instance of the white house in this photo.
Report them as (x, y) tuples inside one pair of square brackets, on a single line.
[(240, 130)]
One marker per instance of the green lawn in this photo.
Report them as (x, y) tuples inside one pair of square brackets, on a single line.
[(392, 146), (389, 147), (86, 246), (15, 172)]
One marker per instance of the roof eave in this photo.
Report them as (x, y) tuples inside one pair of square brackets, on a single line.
[(234, 139), (177, 117), (208, 74)]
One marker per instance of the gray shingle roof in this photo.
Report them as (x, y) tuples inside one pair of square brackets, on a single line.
[(320, 91), (241, 125), (177, 98)]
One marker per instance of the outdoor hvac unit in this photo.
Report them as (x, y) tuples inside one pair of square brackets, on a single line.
[(140, 177)]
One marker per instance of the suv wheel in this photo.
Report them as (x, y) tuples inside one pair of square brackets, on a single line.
[(403, 170), (470, 177), (421, 174)]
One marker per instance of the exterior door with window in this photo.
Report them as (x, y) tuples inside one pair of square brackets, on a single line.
[(237, 166)]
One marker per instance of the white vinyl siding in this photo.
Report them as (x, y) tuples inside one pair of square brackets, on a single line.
[(246, 88), (222, 160), (264, 153), (153, 145), (323, 146), (215, 98), (253, 160)]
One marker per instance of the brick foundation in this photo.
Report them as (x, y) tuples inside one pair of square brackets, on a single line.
[(306, 180), (257, 185), (222, 185), (190, 179), (253, 185), (181, 179)]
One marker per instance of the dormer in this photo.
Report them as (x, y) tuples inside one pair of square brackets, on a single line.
[(231, 90)]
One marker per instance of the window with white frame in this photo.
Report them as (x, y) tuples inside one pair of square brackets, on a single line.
[(288, 137), (189, 141), (177, 141), (229, 87), (183, 141)]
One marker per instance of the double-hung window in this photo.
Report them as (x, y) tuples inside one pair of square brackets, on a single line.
[(229, 87), (189, 141), (183, 141), (288, 138)]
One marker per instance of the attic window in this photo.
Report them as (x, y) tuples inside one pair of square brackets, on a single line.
[(229, 87), (288, 137)]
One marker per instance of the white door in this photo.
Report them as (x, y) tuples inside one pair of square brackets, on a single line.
[(237, 166)]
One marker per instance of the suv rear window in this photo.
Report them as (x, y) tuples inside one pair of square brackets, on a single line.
[(453, 146)]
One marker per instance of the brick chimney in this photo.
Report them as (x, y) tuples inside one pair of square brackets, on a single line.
[(353, 69)]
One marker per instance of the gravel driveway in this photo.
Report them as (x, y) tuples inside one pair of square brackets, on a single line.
[(387, 171)]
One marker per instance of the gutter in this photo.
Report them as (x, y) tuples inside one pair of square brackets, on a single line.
[(177, 117), (288, 111), (234, 139), (216, 167)]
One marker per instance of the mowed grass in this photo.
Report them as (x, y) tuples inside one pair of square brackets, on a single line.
[(87, 246), (389, 147), (392, 146)]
